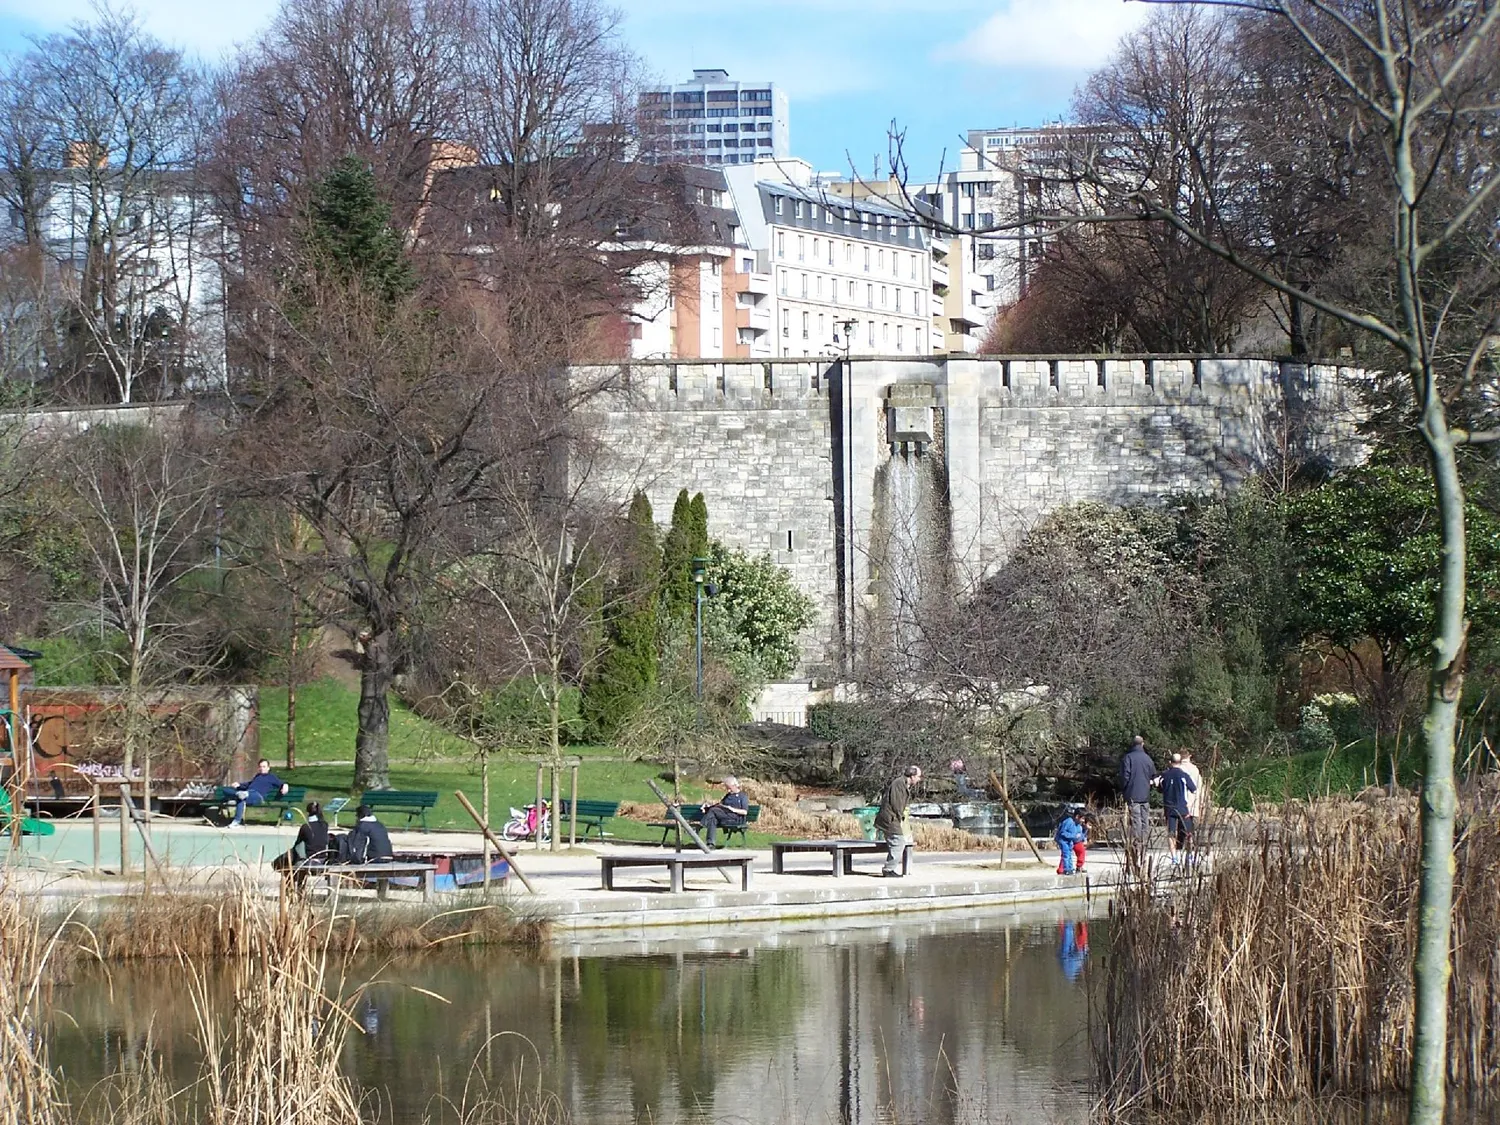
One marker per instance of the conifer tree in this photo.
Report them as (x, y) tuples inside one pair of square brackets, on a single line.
[(627, 670), (351, 236), (677, 565)]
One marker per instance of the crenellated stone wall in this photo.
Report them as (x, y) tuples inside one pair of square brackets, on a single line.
[(788, 453)]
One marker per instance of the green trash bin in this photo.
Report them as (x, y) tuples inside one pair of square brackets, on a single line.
[(866, 818)]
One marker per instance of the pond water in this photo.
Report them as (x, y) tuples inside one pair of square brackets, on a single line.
[(982, 1019)]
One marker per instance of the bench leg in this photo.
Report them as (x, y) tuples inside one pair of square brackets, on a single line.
[(906, 859), (841, 867), (429, 879), (745, 876), (676, 880), (608, 874), (382, 888), (777, 859)]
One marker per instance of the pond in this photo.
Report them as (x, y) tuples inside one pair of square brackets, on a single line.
[(982, 1019)]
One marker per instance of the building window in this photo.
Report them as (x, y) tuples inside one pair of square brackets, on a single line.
[(812, 211), (781, 244), (797, 208), (898, 300), (986, 251), (828, 218), (869, 295), (851, 292), (819, 287), (867, 259), (968, 223), (911, 232), (880, 261), (747, 265), (900, 337), (870, 331), (801, 249), (786, 322), (820, 326), (830, 253), (717, 268), (717, 342), (882, 297), (885, 334), (713, 301), (806, 325), (781, 282), (817, 249), (804, 287)]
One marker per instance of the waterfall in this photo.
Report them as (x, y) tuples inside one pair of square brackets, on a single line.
[(911, 569)]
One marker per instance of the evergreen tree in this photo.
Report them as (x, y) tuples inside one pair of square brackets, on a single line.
[(677, 565), (627, 669), (699, 527), (351, 235)]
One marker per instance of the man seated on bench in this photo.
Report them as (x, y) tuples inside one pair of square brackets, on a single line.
[(729, 811), (263, 785), (369, 842)]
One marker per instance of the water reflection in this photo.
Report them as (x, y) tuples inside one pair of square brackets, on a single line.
[(981, 1020)]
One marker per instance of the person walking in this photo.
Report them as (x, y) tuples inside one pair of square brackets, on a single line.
[(891, 821), (1136, 773), (1197, 801), (1176, 787)]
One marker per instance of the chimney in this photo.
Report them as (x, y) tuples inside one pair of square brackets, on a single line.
[(85, 154)]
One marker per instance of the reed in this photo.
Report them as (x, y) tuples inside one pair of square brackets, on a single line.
[(1285, 974), (30, 1093)]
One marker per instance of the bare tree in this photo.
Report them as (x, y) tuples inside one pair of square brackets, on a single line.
[(1418, 81), (99, 146), (142, 500)]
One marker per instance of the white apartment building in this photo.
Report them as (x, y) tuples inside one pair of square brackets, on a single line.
[(715, 121), (844, 274)]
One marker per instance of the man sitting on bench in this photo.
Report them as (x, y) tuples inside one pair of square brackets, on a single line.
[(369, 842), (255, 791), (727, 812)]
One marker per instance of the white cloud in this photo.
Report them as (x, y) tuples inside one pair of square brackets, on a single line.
[(205, 27), (1050, 34)]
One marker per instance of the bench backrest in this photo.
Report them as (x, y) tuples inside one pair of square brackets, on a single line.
[(293, 796), (400, 798), (591, 808), (752, 814)]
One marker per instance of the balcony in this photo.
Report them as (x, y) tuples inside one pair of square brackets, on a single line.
[(939, 274), (759, 283)]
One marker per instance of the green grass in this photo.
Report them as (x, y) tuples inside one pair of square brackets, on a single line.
[(1348, 769), (424, 756)]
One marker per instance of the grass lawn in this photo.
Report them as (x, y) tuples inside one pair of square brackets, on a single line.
[(1348, 769), (424, 756)]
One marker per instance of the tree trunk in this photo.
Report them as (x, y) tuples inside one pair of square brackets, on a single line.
[(554, 722), (372, 743), (1433, 966), (1296, 317), (291, 699)]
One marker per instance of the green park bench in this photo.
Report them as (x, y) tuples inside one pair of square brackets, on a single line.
[(413, 802), (591, 815), (693, 814), (222, 803)]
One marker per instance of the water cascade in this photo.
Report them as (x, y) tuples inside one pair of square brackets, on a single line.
[(911, 549)]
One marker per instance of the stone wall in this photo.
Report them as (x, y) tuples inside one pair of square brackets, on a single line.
[(789, 454)]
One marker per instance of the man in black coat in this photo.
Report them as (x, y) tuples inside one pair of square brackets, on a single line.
[(369, 842), (1136, 773)]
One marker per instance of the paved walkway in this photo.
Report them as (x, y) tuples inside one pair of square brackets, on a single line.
[(569, 888)]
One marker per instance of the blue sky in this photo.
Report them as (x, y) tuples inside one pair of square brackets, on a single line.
[(937, 67)]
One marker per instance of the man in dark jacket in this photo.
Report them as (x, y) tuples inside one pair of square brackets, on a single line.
[(369, 842), (256, 791), (729, 811), (891, 821), (1136, 773), (1176, 783)]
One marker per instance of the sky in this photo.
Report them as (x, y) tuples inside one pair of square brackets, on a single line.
[(936, 68)]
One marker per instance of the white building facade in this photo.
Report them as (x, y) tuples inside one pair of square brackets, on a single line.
[(844, 275), (714, 120)]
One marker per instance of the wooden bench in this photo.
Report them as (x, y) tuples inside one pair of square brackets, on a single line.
[(841, 852), (693, 814), (226, 796), (413, 802), (591, 815), (675, 863), (382, 874)]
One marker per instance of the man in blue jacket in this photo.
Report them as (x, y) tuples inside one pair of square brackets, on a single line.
[(1176, 783), (256, 791), (1136, 773)]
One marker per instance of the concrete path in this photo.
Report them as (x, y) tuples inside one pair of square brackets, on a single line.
[(569, 889)]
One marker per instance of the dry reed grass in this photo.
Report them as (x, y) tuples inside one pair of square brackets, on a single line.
[(1285, 975), (30, 1093)]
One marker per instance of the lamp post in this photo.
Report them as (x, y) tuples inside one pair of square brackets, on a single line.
[(700, 579)]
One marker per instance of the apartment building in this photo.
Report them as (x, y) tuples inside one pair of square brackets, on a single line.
[(845, 274), (712, 120)]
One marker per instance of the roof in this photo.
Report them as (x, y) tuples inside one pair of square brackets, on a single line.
[(11, 662)]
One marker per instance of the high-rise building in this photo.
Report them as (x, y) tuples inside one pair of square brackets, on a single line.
[(715, 121)]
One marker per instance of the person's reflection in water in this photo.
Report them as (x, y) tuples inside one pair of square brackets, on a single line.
[(1072, 947), (370, 1018)]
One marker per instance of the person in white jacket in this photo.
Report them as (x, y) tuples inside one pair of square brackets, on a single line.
[(1197, 799)]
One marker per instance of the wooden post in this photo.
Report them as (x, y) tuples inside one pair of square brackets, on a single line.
[(1020, 821), (485, 828), (573, 812), (124, 827), (98, 823), (537, 838)]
